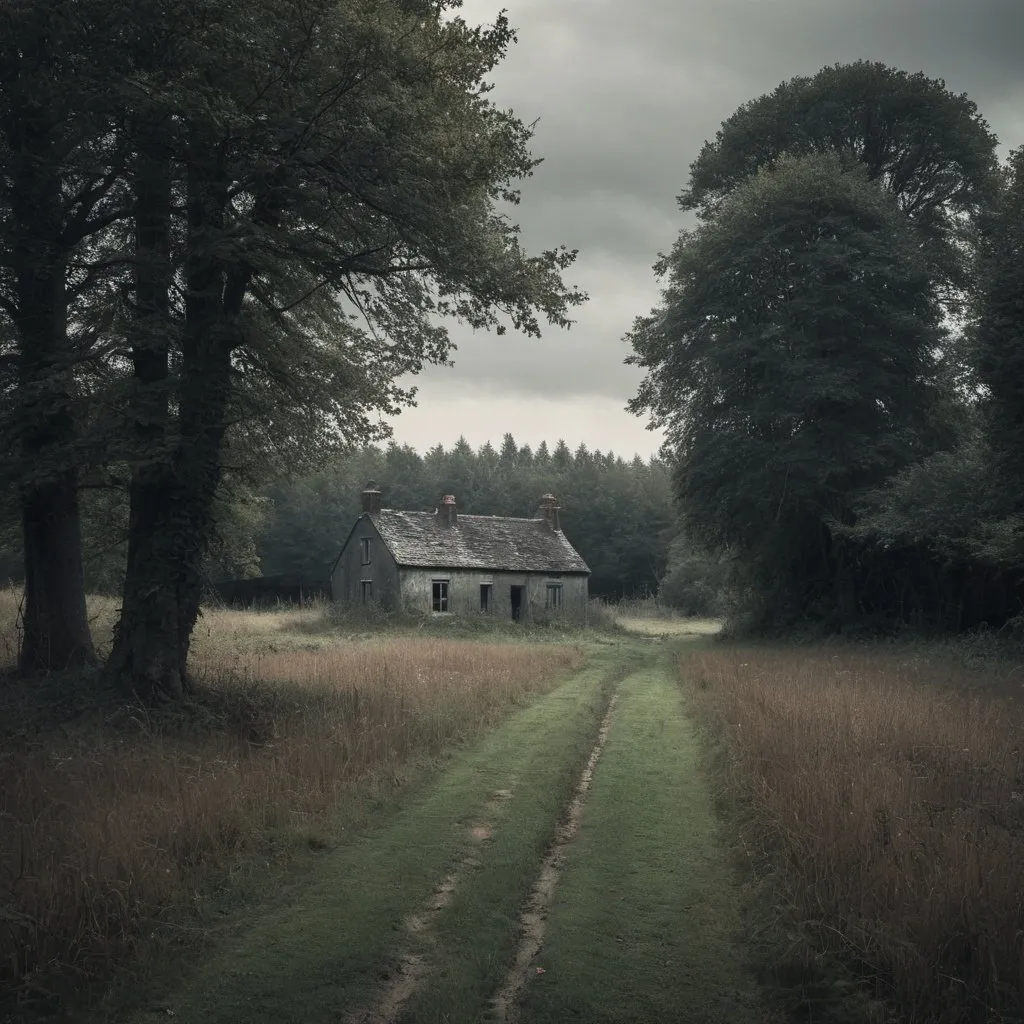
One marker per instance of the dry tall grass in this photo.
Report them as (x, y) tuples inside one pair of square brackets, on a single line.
[(108, 820), (889, 792)]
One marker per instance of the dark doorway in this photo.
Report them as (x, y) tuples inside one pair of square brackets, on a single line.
[(516, 594), (485, 596)]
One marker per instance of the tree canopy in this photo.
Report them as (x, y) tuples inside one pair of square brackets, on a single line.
[(791, 361), (927, 146)]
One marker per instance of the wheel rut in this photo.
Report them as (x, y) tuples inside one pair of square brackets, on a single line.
[(414, 967), (505, 1003)]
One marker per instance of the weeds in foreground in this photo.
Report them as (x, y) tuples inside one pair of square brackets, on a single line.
[(114, 817), (886, 795)]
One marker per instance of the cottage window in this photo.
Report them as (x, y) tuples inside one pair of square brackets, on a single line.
[(554, 596), (485, 596), (366, 590), (439, 595), (365, 545)]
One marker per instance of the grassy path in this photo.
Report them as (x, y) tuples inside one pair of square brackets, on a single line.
[(421, 920), (329, 952), (644, 924)]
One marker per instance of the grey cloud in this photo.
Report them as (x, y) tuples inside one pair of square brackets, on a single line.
[(626, 95), (587, 359)]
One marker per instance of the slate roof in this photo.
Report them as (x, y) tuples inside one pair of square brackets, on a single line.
[(420, 540)]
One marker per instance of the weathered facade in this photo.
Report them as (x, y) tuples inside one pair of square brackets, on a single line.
[(446, 563)]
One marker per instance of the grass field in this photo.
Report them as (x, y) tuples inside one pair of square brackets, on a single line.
[(116, 820), (528, 882), (466, 845), (365, 824), (881, 798)]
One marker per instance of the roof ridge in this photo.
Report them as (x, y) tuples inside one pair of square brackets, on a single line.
[(465, 515)]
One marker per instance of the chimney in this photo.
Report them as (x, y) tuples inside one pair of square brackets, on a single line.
[(549, 510), (371, 498), (446, 514)]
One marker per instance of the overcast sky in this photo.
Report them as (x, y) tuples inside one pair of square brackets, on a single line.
[(626, 92)]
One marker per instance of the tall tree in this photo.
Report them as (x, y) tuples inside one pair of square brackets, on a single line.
[(509, 452), (791, 365), (339, 169), (59, 188), (927, 146)]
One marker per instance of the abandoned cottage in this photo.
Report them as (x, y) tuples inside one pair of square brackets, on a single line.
[(445, 562)]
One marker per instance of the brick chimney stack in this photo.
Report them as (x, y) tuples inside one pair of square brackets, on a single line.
[(446, 511), (549, 510), (371, 498)]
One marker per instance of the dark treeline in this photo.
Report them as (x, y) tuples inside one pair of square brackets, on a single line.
[(838, 357), (617, 514)]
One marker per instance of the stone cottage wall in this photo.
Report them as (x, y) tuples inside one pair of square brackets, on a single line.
[(464, 597), (350, 571)]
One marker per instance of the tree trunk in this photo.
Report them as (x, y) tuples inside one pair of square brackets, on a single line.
[(56, 627), (172, 497), (150, 647), (172, 511)]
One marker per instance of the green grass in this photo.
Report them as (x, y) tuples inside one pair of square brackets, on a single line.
[(479, 932), (645, 921), (326, 951)]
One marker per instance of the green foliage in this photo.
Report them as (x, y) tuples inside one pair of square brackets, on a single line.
[(697, 582), (1000, 333), (354, 201), (790, 360), (928, 147), (962, 507), (944, 503)]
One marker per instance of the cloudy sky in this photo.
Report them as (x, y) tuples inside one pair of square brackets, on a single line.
[(626, 92)]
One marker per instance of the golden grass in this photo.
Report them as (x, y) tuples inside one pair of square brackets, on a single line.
[(108, 820), (889, 792), (678, 627)]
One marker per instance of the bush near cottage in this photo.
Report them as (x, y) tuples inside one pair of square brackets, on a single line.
[(118, 822)]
